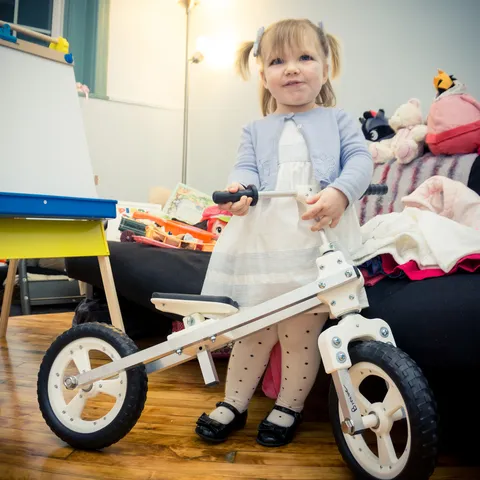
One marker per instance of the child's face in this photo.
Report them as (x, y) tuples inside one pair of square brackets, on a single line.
[(295, 78)]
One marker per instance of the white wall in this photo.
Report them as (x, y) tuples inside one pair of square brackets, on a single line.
[(139, 145), (391, 53), (133, 148), (146, 57)]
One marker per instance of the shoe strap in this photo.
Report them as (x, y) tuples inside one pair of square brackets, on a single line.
[(295, 415), (229, 407)]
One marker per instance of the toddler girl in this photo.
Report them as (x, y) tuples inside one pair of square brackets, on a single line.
[(301, 140)]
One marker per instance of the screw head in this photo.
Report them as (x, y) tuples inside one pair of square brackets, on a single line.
[(384, 332), (341, 357), (348, 426), (336, 342), (179, 351), (321, 267), (333, 303), (351, 297), (348, 274), (339, 261), (213, 338), (70, 383), (190, 321), (322, 285)]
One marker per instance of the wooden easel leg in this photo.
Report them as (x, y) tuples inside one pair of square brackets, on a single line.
[(7, 296), (110, 292)]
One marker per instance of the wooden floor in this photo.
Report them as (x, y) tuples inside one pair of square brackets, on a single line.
[(162, 445)]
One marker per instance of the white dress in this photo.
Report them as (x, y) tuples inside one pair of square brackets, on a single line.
[(272, 251)]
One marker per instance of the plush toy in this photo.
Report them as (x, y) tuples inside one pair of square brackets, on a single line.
[(453, 123), (375, 126), (214, 219), (409, 140)]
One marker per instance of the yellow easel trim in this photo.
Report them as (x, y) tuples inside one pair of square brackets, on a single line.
[(25, 238)]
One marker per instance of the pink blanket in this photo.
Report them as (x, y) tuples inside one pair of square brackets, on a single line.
[(449, 198)]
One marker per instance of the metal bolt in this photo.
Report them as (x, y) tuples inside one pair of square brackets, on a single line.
[(321, 267), (80, 347), (339, 261), (179, 351), (121, 382), (351, 297), (104, 418), (100, 385), (190, 321), (341, 357), (58, 374), (348, 273), (333, 303), (384, 332), (348, 426), (71, 419), (94, 423), (56, 386), (213, 338), (336, 342), (331, 245), (64, 412), (322, 285), (70, 383)]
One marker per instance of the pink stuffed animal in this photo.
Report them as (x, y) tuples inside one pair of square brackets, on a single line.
[(409, 140)]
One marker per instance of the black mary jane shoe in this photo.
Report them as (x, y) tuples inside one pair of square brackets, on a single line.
[(272, 435), (216, 432)]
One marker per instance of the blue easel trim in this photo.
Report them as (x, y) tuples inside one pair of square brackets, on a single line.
[(22, 205), (6, 34)]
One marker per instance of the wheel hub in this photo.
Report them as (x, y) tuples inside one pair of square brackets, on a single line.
[(385, 422)]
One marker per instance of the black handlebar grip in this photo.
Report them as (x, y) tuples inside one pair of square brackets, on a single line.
[(220, 197), (376, 189)]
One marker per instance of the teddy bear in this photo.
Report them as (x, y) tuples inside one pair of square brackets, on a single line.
[(409, 140)]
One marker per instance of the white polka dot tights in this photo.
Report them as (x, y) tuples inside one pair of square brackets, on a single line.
[(298, 338)]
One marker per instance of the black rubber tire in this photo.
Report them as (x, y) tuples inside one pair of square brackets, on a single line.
[(135, 397), (420, 405)]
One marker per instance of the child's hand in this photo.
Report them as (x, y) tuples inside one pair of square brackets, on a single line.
[(328, 208), (241, 207)]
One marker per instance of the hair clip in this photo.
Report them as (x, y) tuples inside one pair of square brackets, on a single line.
[(256, 44)]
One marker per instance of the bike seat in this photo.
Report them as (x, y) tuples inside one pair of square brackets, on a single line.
[(187, 304)]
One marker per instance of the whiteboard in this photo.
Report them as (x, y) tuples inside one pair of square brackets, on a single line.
[(43, 147)]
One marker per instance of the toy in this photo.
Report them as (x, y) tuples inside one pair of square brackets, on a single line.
[(409, 140), (453, 123), (215, 219), (353, 350), (375, 126)]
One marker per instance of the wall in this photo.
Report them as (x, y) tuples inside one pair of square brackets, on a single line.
[(135, 139), (146, 56), (391, 52), (132, 147)]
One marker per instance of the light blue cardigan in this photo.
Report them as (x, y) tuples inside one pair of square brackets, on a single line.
[(337, 147)]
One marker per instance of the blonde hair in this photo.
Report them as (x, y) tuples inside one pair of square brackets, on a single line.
[(290, 33)]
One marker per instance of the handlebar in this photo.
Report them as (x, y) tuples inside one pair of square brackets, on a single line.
[(221, 197)]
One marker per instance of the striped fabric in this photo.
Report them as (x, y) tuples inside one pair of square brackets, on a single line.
[(404, 179)]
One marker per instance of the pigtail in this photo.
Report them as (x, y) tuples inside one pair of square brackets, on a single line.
[(334, 47), (242, 60), (268, 103)]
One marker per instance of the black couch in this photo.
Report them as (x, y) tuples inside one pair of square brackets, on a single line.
[(436, 321)]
